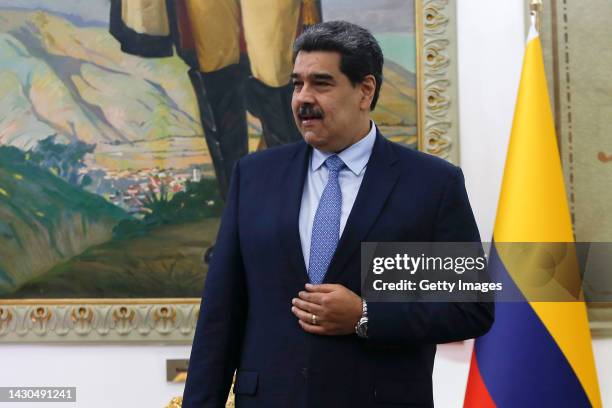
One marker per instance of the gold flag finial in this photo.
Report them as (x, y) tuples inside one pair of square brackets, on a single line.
[(310, 13), (535, 9)]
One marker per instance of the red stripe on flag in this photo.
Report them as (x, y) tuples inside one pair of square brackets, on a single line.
[(476, 393)]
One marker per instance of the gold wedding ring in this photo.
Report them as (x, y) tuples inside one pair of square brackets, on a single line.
[(314, 319)]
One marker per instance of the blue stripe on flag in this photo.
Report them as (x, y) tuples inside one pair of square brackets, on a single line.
[(519, 361)]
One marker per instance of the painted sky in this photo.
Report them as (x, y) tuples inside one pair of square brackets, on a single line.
[(91, 11), (376, 15)]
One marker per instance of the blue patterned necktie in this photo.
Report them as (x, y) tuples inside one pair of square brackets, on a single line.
[(326, 225)]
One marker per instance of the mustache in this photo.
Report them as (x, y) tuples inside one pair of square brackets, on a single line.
[(310, 112)]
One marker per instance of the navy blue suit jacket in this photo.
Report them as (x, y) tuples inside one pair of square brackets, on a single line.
[(246, 323)]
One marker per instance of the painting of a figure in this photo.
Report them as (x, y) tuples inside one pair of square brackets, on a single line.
[(120, 122)]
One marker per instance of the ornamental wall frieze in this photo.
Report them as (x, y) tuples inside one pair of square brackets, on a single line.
[(99, 322)]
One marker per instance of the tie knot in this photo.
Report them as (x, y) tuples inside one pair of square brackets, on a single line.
[(334, 163)]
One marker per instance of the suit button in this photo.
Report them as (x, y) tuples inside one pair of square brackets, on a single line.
[(304, 371)]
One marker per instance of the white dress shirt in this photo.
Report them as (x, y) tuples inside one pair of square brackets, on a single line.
[(355, 157)]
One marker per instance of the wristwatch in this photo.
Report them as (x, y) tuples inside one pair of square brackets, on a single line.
[(362, 325)]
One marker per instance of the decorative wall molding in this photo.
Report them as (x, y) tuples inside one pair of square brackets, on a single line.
[(147, 320), (437, 49)]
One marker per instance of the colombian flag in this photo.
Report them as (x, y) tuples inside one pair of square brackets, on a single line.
[(537, 354)]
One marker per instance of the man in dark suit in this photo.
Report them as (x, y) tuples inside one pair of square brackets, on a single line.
[(282, 304)]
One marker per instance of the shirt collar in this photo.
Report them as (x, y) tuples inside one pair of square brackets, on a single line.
[(355, 156)]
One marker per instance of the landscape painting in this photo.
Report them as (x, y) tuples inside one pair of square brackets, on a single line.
[(107, 185)]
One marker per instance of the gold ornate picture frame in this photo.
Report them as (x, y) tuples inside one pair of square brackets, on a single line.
[(173, 320)]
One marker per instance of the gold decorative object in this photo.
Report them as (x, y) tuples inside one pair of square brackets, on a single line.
[(40, 317), (165, 319), (438, 132), (176, 402), (535, 8), (82, 317), (5, 315), (435, 17), (123, 317), (82, 314), (310, 13), (123, 314), (41, 314), (165, 313), (5, 319)]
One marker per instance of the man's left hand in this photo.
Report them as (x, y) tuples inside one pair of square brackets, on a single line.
[(336, 308)]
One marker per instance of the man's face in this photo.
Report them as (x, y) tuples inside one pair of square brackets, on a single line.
[(327, 108)]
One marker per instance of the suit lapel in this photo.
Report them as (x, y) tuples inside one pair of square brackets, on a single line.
[(378, 181), (291, 188)]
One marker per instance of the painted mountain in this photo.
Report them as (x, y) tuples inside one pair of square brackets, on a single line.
[(44, 219), (106, 184)]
